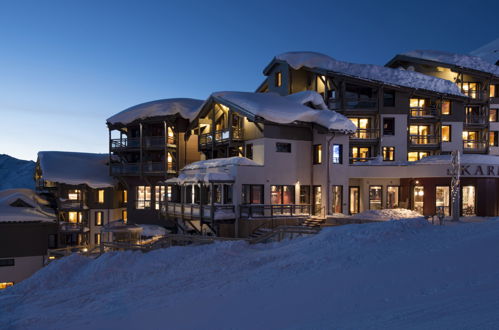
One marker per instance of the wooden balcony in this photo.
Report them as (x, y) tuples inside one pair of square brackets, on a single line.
[(148, 142), (147, 168), (423, 112), (221, 136)]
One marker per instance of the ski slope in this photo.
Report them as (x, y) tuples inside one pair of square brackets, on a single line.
[(402, 274)]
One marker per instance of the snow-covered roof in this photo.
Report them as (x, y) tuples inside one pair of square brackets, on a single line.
[(460, 60), (395, 77), (201, 177), (185, 107), (76, 168), (30, 207), (220, 162), (286, 109), (488, 52)]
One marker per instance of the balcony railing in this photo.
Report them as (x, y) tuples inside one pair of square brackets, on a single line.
[(147, 168), (274, 210), (196, 211), (360, 159), (366, 134), (72, 204), (476, 119), (423, 112), (71, 226), (147, 142), (475, 145), (353, 103), (221, 136), (424, 139)]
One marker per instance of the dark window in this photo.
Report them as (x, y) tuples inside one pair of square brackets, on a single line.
[(388, 126), (252, 193), (282, 194), (249, 151), (188, 194), (388, 153), (99, 216), (389, 98), (227, 194), (304, 194), (337, 154), (317, 154), (52, 242), (283, 147), (7, 262)]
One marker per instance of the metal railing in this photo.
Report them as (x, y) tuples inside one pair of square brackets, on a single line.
[(221, 136), (273, 210), (147, 142), (475, 145), (196, 211), (479, 119), (366, 134), (125, 143), (423, 112), (72, 226), (424, 139), (360, 159), (353, 103), (147, 168), (72, 204)]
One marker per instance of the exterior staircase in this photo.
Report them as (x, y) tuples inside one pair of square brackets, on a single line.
[(313, 222)]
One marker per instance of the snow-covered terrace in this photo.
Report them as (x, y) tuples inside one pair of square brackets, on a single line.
[(451, 59), (24, 205), (185, 107), (285, 109), (368, 72), (76, 168)]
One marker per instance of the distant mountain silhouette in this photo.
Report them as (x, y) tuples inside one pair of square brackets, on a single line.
[(16, 173)]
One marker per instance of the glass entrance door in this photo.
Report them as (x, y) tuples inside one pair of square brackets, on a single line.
[(375, 197), (317, 200), (392, 197), (469, 203), (442, 199), (418, 199), (354, 200)]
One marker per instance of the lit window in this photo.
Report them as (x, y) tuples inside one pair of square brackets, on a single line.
[(445, 107), (359, 154), (493, 139), (97, 239), (99, 215), (100, 196), (4, 285), (446, 133), (171, 136), (278, 79), (317, 154), (124, 215), (143, 200), (125, 196), (417, 155), (337, 154), (492, 91), (74, 194), (170, 164), (493, 115), (283, 147), (470, 89), (159, 195), (388, 153), (74, 217)]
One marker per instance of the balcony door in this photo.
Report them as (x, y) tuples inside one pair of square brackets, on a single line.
[(418, 199), (468, 201), (354, 200)]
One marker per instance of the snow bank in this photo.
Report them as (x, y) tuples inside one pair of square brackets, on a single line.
[(152, 230), (464, 61), (219, 162), (387, 214), (24, 205), (396, 77), (76, 168), (488, 52), (390, 275), (285, 109), (187, 108)]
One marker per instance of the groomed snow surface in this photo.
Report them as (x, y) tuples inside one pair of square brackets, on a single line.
[(403, 274)]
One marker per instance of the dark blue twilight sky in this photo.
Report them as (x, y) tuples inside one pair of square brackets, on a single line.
[(66, 66)]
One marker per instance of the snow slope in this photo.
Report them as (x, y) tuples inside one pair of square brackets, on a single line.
[(16, 173), (489, 52), (392, 275)]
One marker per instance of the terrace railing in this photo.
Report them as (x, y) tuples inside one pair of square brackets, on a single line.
[(274, 210), (475, 145), (366, 134), (423, 112), (424, 139)]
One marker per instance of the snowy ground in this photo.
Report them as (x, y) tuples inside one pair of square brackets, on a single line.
[(391, 275)]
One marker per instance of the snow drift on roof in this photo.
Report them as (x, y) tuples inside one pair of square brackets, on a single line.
[(187, 108), (464, 61), (397, 77), (218, 162), (35, 209), (286, 109), (76, 168), (305, 97), (488, 52)]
